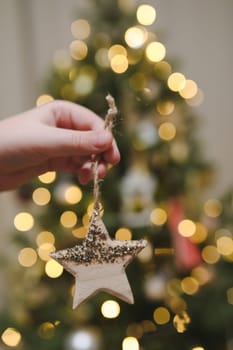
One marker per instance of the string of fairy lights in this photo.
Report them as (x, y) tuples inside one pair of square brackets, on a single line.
[(118, 58)]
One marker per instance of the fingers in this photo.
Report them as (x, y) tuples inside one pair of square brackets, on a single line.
[(69, 115)]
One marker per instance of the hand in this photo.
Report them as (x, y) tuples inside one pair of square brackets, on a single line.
[(60, 136)]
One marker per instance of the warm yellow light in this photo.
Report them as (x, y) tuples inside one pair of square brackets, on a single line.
[(176, 81), (78, 50), (27, 257), (190, 89), (119, 64), (46, 330), (101, 57), (187, 228), (23, 221), (167, 131), (44, 99), (44, 250), (213, 208), (123, 233), (158, 216), (210, 254), (80, 29), (198, 348), (163, 69), (90, 210), (80, 232), (86, 219), (110, 309), (155, 51), (161, 315), (41, 196), (130, 343), (180, 322), (116, 50), (53, 269), (45, 237), (146, 14), (200, 233), (135, 37), (11, 337), (73, 194), (189, 285), (84, 84), (48, 178), (179, 151), (146, 254), (201, 274), (68, 219), (225, 245), (165, 107)]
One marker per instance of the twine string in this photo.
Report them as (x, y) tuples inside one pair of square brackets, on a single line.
[(108, 124)]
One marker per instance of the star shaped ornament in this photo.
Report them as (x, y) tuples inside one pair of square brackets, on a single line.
[(98, 263)]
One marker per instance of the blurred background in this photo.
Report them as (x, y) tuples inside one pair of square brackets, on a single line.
[(198, 40)]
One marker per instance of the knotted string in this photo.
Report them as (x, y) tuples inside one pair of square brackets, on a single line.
[(108, 124)]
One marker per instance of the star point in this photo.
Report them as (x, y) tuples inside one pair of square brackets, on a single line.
[(98, 263)]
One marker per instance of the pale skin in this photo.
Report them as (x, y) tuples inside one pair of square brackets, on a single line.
[(59, 136)]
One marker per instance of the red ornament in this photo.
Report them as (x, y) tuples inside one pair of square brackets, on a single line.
[(187, 254)]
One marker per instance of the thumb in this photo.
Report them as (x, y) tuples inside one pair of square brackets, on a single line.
[(75, 142)]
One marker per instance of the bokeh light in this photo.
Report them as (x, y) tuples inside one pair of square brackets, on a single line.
[(123, 233), (176, 81), (73, 194), (46, 330), (167, 131), (225, 245), (116, 50), (41, 196), (130, 343), (161, 315), (23, 221), (158, 216), (48, 177), (80, 232), (213, 207), (135, 37), (200, 233), (110, 309), (44, 250), (78, 50), (187, 228), (45, 237), (190, 89), (27, 257), (68, 219), (101, 57), (11, 337), (53, 269), (163, 70), (119, 64), (43, 99), (80, 29), (210, 254), (146, 14), (155, 51), (189, 285), (165, 107)]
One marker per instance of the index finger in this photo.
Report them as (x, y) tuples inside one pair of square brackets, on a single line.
[(69, 115)]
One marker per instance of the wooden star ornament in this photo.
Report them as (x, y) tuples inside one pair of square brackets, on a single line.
[(98, 263)]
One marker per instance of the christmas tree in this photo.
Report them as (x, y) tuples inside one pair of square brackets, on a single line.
[(182, 281)]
